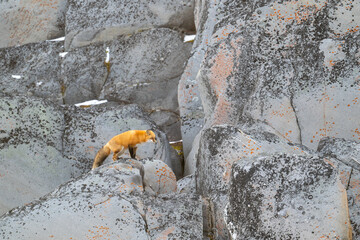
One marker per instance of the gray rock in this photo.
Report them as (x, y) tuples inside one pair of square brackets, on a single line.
[(93, 21), (31, 150), (189, 92), (89, 129), (143, 70), (100, 204), (296, 72), (157, 176), (105, 203), (190, 105), (287, 197), (187, 185), (31, 21), (220, 147), (346, 151), (169, 122), (32, 69), (291, 66), (344, 155), (174, 217)]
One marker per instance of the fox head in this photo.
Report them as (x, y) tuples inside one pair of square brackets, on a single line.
[(150, 135)]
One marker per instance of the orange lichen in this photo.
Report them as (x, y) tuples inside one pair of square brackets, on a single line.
[(165, 234), (100, 232), (33, 18)]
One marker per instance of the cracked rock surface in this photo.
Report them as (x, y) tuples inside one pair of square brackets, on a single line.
[(107, 203)]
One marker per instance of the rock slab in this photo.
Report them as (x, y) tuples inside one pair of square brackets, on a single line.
[(287, 197), (93, 21), (107, 203), (31, 21)]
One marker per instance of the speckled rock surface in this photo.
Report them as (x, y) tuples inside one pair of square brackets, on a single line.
[(43, 145), (93, 21), (293, 65), (189, 95), (143, 70), (174, 217), (32, 69), (88, 130), (31, 148), (344, 155), (31, 21), (220, 147), (157, 176), (107, 203), (287, 197)]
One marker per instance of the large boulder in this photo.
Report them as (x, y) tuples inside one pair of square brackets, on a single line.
[(292, 65), (107, 203), (344, 155), (31, 21), (89, 129), (31, 149), (93, 21), (221, 147), (141, 70), (43, 145), (287, 197), (189, 92), (32, 69)]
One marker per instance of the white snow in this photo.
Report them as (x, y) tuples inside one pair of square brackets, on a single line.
[(107, 55), (62, 54), (189, 38), (57, 39), (90, 103), (38, 84), (16, 76)]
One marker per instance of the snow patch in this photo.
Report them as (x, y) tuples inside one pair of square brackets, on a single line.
[(107, 60), (189, 38), (57, 39), (38, 84), (16, 76), (63, 54), (90, 103)]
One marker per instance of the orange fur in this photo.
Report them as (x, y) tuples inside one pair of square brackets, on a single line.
[(121, 142)]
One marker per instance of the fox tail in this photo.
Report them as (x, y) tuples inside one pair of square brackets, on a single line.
[(101, 156)]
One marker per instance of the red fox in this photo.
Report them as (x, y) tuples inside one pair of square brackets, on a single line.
[(121, 142)]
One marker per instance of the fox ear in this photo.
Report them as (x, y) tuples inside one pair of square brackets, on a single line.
[(148, 132)]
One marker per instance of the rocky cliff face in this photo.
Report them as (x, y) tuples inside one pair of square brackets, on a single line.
[(265, 100)]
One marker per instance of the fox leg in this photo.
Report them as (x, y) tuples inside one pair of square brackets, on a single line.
[(117, 153), (132, 151)]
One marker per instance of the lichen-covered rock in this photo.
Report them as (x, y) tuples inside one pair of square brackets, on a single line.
[(344, 155), (31, 21), (97, 205), (287, 197), (220, 147), (32, 69), (189, 92), (31, 148), (89, 129), (346, 151), (187, 184), (93, 21), (107, 203), (142, 70), (175, 217), (157, 176), (293, 65)]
